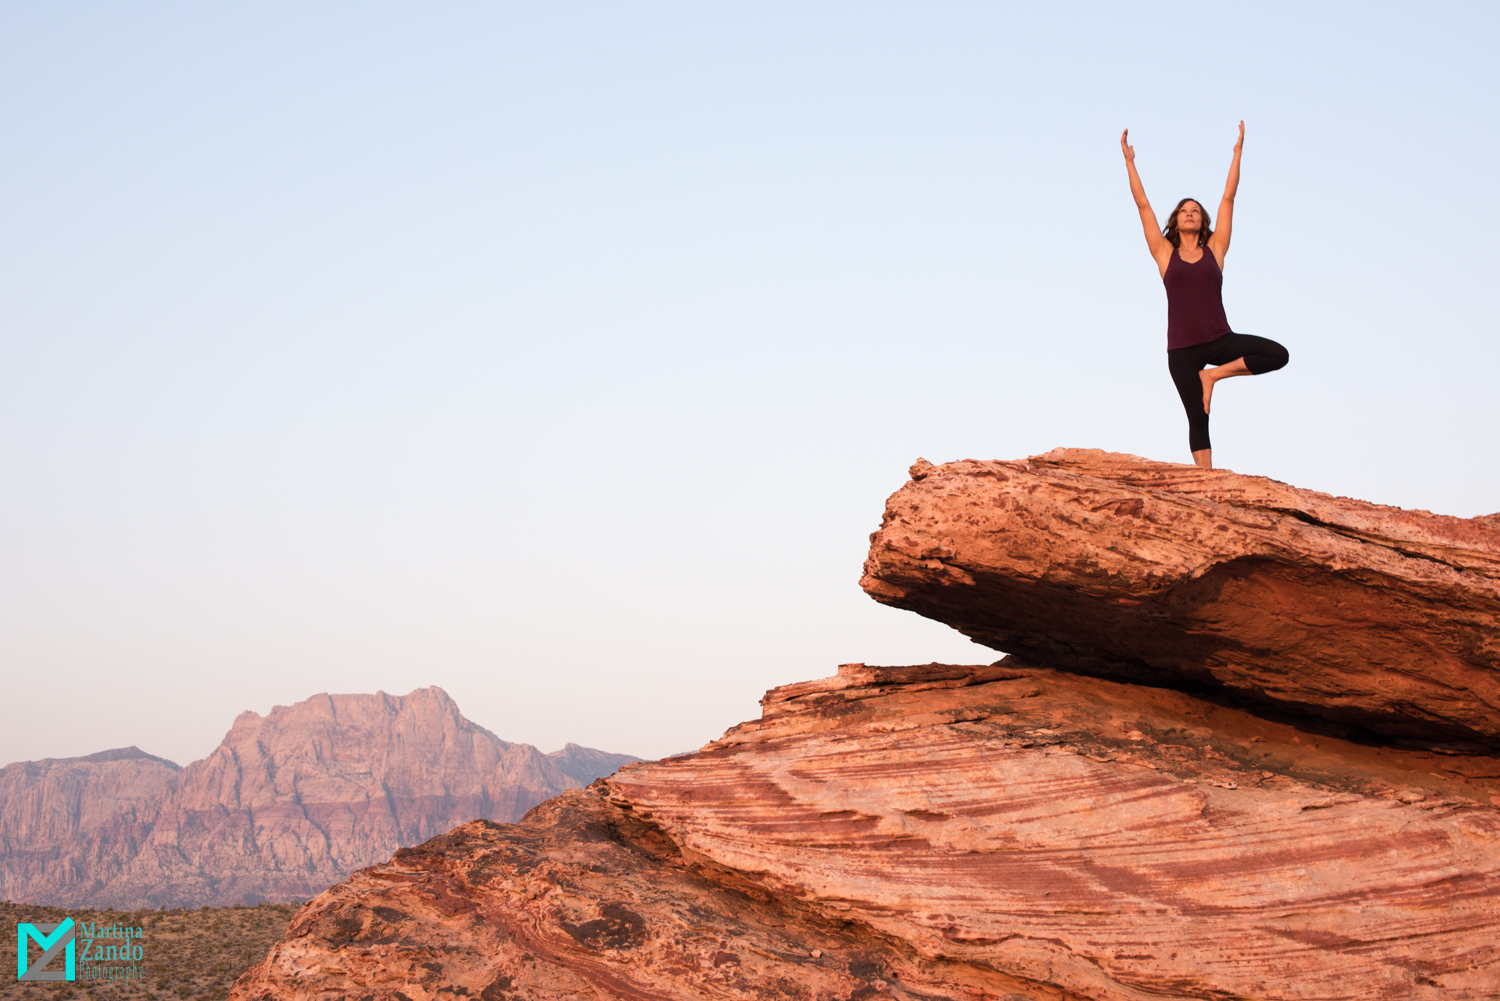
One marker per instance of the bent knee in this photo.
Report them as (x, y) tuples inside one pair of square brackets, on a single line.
[(1270, 361)]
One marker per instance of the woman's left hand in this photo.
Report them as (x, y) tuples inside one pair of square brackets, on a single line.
[(1240, 142)]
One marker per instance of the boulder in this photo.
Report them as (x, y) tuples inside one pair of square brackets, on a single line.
[(1374, 618)]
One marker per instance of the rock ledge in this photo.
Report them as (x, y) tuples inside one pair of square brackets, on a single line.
[(1277, 598)]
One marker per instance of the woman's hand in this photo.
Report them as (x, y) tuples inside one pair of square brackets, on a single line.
[(1129, 150), (1240, 142)]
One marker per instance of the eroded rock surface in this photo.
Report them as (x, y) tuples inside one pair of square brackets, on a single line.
[(1369, 616), (949, 832)]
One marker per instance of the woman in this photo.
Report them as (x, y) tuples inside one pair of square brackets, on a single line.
[(1190, 256)]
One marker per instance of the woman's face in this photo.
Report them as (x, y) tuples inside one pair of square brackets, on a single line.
[(1190, 218)]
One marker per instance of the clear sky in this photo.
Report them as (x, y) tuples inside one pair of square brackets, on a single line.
[(563, 355)]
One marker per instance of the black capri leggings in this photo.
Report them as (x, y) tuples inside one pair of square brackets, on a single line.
[(1261, 355)]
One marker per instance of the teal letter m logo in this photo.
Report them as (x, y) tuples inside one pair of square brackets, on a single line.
[(53, 939)]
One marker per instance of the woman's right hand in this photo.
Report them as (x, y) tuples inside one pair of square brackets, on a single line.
[(1125, 146)]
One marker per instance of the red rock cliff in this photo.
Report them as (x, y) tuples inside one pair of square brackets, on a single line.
[(1023, 830)]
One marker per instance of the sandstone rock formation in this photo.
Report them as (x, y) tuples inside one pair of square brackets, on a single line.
[(948, 832), (1374, 617), (1245, 752), (288, 804)]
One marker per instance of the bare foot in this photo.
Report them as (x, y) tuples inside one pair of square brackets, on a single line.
[(1206, 377)]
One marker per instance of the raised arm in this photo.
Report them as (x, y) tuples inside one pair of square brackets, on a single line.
[(1219, 242), (1160, 248)]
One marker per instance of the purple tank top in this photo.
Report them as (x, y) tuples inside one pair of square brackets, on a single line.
[(1195, 306)]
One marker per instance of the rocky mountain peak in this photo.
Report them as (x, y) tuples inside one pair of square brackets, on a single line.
[(584, 764), (131, 753), (287, 804)]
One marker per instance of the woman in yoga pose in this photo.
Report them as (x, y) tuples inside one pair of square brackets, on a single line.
[(1190, 256)]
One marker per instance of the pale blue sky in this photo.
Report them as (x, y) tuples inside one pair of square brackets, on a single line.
[(564, 355)]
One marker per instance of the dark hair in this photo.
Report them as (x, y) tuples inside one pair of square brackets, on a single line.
[(1203, 234)]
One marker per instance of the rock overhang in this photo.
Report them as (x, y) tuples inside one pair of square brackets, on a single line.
[(1241, 587)]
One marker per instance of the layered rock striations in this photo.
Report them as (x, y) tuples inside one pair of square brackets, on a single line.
[(1378, 618), (288, 804), (949, 832), (1169, 794)]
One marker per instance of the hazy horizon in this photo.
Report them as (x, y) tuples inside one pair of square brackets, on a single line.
[(564, 357)]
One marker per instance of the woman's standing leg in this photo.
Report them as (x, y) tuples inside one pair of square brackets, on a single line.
[(1185, 364)]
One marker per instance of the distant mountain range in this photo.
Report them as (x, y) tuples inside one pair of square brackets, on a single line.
[(288, 804)]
